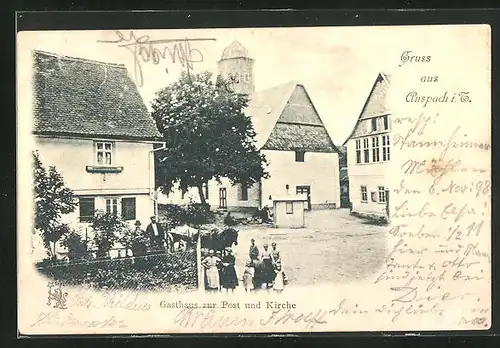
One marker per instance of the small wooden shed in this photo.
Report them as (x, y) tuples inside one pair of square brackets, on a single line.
[(289, 211)]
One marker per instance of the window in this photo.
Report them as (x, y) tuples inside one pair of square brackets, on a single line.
[(374, 124), (289, 207), (128, 208), (386, 122), (375, 150), (366, 149), (87, 208), (299, 156), (364, 194), (234, 77), (386, 149), (381, 194), (358, 151), (104, 153), (243, 192), (112, 206)]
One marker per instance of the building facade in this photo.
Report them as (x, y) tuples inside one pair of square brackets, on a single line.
[(92, 125), (290, 133), (369, 153)]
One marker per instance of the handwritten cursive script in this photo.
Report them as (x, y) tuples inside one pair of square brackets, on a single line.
[(146, 50)]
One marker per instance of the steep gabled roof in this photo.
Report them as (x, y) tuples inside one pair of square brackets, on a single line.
[(83, 97), (266, 106), (281, 124), (376, 102)]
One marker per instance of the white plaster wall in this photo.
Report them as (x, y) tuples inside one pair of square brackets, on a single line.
[(370, 175), (71, 156), (319, 170)]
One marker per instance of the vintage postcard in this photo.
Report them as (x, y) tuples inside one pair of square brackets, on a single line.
[(254, 180)]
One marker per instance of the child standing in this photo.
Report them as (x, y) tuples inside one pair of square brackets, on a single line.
[(248, 275), (279, 281)]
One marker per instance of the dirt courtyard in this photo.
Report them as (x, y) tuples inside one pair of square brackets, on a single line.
[(335, 247)]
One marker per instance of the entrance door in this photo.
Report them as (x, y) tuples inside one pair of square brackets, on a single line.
[(222, 198), (305, 190)]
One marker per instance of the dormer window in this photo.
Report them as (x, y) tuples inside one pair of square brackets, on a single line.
[(104, 153)]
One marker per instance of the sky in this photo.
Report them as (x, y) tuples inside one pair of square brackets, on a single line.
[(337, 65)]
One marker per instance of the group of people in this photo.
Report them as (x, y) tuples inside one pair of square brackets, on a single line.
[(220, 272), (154, 232), (264, 268)]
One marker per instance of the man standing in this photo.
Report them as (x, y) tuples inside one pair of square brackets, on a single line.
[(254, 251), (155, 233)]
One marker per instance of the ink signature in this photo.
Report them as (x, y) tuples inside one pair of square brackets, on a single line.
[(146, 50)]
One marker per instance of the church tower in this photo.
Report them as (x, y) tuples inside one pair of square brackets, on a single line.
[(236, 66)]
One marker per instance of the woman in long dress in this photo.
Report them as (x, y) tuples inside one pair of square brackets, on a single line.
[(268, 271), (229, 280), (279, 282), (212, 273)]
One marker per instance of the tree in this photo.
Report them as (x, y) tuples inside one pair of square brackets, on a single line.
[(207, 135), (52, 200), (109, 228)]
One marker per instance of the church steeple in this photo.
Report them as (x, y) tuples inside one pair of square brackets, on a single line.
[(236, 66)]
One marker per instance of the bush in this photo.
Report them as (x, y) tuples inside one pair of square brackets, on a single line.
[(200, 214), (109, 228), (153, 273), (194, 214), (229, 220), (175, 215), (77, 247)]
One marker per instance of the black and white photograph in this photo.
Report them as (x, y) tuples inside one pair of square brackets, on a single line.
[(254, 180)]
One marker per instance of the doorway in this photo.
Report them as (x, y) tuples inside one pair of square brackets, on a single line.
[(222, 198), (305, 190)]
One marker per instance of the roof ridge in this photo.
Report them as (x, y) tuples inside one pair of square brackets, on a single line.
[(78, 59)]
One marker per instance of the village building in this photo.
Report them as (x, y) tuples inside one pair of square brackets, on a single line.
[(369, 153), (92, 125), (302, 157)]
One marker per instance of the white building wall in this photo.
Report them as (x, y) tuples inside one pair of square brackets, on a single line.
[(319, 170), (372, 175), (233, 196), (70, 156)]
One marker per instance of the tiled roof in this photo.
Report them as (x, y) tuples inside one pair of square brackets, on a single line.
[(280, 129), (266, 106), (376, 103), (82, 97)]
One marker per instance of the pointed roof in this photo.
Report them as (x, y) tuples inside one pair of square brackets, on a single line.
[(266, 106), (235, 50), (275, 128), (376, 102), (75, 96)]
